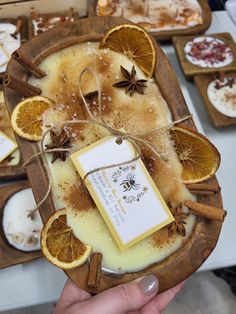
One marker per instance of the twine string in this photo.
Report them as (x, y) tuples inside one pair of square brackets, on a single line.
[(134, 139)]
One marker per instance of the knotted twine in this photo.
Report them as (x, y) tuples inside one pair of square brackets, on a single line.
[(133, 138)]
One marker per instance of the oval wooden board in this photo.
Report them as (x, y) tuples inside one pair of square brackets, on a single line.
[(205, 235), (168, 34), (10, 256)]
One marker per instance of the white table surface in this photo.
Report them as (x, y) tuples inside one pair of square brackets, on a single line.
[(40, 282)]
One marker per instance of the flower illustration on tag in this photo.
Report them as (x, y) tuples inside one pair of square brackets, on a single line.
[(130, 183)]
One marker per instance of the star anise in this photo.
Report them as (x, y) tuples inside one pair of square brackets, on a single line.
[(59, 140), (14, 35), (229, 82), (177, 226), (10, 158), (131, 83)]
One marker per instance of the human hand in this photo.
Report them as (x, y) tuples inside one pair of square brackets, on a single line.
[(136, 297)]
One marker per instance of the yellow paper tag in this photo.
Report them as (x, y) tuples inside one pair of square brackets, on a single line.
[(7, 146), (125, 195)]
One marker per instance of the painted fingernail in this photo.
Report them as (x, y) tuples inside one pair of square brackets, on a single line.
[(149, 284)]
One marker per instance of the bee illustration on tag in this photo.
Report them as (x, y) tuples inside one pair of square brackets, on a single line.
[(130, 183)]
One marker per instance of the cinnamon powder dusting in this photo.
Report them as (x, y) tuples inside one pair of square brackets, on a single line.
[(78, 198), (161, 238)]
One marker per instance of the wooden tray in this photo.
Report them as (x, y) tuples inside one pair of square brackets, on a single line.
[(31, 26), (218, 119), (11, 172), (190, 69), (205, 234), (167, 35), (10, 256), (23, 32)]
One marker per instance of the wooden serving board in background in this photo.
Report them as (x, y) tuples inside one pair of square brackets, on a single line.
[(168, 34), (200, 244), (8, 172), (51, 15), (202, 82), (190, 69), (10, 256)]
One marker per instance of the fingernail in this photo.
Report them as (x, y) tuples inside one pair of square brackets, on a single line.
[(149, 284)]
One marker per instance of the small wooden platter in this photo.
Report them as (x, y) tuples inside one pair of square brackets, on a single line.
[(10, 256), (47, 16), (169, 34), (9, 172), (202, 82), (190, 69), (23, 30), (204, 237)]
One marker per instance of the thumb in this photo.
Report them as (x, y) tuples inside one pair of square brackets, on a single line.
[(123, 298)]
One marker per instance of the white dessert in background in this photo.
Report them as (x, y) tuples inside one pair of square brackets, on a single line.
[(208, 52), (222, 95), (21, 231), (154, 15), (150, 111), (9, 43), (40, 26), (5, 127)]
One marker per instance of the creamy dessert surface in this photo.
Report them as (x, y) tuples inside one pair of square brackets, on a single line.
[(131, 114), (154, 15), (222, 95), (5, 127)]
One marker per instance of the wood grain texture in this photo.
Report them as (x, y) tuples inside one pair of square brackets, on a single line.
[(10, 256), (205, 235), (51, 15), (12, 172), (23, 31), (169, 34), (218, 119), (190, 69)]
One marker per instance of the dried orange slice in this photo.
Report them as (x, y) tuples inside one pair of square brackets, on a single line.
[(26, 118), (199, 157), (135, 43), (60, 246)]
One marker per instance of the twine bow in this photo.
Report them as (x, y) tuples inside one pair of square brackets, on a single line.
[(135, 139)]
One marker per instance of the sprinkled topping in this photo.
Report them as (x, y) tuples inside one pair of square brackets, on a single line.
[(208, 52)]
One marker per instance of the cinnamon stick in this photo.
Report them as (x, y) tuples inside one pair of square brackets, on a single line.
[(91, 94), (28, 64), (18, 25), (200, 192), (206, 211), (147, 11), (34, 15), (20, 86), (204, 187), (44, 19), (94, 271), (71, 12), (221, 75)]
